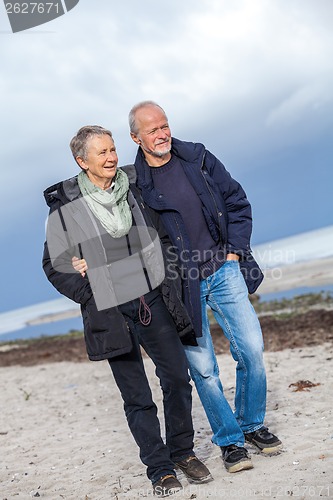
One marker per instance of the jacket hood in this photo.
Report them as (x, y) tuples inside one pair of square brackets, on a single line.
[(191, 152), (69, 190), (131, 173), (65, 191)]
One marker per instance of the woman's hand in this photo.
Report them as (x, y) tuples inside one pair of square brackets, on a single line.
[(80, 266)]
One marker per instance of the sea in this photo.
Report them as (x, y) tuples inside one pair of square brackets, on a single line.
[(25, 323)]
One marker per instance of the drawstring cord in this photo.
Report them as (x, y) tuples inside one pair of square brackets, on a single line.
[(144, 312)]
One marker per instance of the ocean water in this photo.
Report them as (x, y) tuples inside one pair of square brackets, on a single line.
[(64, 326), (300, 248), (303, 247), (45, 330)]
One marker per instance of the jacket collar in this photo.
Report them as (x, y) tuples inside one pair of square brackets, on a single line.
[(188, 152), (69, 190)]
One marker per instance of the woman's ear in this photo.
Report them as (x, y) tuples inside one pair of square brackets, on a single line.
[(81, 163)]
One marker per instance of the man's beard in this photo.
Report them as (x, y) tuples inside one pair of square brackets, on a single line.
[(158, 154)]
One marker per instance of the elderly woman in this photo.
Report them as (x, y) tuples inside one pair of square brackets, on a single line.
[(99, 221)]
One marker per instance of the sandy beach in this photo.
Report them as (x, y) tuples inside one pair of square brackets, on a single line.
[(63, 433)]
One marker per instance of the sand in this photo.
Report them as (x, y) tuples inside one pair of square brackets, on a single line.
[(63, 434)]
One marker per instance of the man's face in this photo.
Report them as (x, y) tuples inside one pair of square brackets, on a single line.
[(102, 160), (154, 135)]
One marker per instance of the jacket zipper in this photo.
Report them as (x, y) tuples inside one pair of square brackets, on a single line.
[(187, 278), (214, 201)]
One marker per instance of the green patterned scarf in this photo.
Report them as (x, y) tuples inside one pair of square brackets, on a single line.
[(111, 209)]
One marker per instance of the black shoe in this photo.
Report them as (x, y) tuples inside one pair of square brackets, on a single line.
[(235, 458), (264, 440), (166, 485), (194, 470)]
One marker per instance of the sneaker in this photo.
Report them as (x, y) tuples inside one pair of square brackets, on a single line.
[(235, 458), (194, 470), (264, 440), (166, 485)]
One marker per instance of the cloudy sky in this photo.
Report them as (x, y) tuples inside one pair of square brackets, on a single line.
[(251, 79)]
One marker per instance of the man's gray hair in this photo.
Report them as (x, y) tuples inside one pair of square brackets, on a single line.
[(132, 114), (79, 142)]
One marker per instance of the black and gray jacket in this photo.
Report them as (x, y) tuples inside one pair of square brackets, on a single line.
[(73, 231)]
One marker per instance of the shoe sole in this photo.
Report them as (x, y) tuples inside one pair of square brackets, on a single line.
[(164, 494), (239, 466), (268, 450), (206, 479), (273, 450), (191, 479)]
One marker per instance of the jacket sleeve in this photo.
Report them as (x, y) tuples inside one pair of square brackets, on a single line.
[(159, 226), (57, 263), (238, 208), (171, 287)]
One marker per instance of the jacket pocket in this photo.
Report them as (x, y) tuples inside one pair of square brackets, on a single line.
[(98, 321), (106, 332), (251, 272)]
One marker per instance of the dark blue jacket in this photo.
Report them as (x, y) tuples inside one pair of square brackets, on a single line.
[(225, 206)]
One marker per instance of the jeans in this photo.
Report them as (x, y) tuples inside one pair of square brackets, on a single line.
[(161, 342), (226, 293)]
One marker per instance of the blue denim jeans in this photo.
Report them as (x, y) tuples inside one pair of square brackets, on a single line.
[(226, 293)]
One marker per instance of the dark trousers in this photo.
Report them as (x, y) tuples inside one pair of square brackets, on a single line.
[(161, 342)]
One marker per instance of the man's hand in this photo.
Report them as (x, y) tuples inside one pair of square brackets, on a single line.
[(232, 256), (80, 265)]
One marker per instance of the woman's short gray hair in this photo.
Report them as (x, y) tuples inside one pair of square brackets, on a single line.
[(79, 142), (132, 114)]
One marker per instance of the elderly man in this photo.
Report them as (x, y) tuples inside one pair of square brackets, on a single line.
[(208, 219)]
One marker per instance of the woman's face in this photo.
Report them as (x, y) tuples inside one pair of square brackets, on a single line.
[(101, 162)]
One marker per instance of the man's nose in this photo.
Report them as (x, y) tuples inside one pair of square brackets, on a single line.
[(162, 133)]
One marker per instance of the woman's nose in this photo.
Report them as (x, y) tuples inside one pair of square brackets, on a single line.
[(112, 156)]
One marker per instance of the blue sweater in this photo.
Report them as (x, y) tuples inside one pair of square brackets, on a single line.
[(171, 181), (226, 210)]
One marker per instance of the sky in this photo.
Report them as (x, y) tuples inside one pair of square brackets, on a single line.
[(251, 79)]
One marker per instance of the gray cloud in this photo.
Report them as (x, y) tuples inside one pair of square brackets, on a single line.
[(244, 77)]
